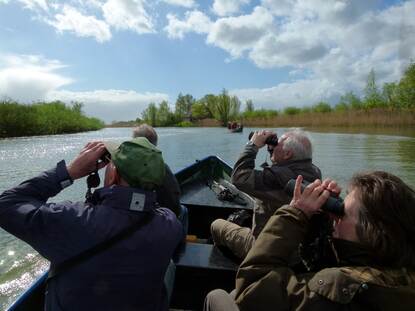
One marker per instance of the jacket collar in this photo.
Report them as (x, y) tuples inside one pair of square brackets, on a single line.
[(290, 162), (127, 198), (352, 253)]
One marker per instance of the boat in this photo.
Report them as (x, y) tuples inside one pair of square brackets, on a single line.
[(207, 194), (239, 129), (235, 127)]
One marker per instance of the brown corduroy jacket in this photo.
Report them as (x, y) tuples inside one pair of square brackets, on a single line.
[(265, 282)]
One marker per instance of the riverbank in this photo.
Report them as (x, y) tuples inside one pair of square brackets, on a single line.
[(52, 118), (374, 121)]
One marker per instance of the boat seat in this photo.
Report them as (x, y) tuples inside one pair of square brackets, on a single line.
[(201, 268)]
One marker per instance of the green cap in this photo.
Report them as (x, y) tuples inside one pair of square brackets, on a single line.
[(138, 162)]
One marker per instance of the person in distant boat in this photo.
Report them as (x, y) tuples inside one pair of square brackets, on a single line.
[(123, 275), (373, 253), (168, 194), (292, 156)]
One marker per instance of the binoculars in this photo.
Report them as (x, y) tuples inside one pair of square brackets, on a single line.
[(333, 205), (271, 140)]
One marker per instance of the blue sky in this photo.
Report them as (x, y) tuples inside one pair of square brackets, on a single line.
[(116, 56)]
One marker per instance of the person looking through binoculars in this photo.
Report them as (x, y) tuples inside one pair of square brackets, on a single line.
[(291, 155), (370, 266), (111, 252)]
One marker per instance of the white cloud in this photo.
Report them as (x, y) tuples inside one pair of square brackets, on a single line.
[(183, 3), (81, 25), (228, 7), (34, 4), (195, 21), (4, 1), (110, 105), (128, 15), (29, 78), (237, 34), (298, 93)]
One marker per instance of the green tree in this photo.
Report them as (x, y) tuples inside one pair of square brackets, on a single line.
[(199, 111), (389, 92), (77, 107), (373, 97), (291, 110), (321, 107), (249, 106), (223, 108), (350, 100), (164, 115), (183, 107), (406, 88), (149, 115), (210, 103), (235, 106)]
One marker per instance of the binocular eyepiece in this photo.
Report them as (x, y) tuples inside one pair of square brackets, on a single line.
[(333, 205), (271, 140)]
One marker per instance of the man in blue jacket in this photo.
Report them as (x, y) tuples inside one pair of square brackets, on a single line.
[(129, 274)]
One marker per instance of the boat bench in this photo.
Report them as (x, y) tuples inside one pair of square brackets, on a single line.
[(201, 268)]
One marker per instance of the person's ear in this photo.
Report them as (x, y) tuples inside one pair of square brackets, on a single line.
[(111, 175), (288, 154)]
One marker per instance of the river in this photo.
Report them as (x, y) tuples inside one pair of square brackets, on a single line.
[(338, 156)]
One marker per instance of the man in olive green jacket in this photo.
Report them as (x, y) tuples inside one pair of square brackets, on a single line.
[(374, 243), (290, 158)]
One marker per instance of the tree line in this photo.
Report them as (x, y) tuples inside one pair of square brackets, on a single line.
[(44, 118), (398, 95)]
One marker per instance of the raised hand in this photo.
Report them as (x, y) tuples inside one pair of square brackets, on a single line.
[(87, 160), (314, 195)]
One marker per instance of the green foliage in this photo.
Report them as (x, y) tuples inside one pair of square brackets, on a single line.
[(260, 113), (405, 93), (164, 117), (349, 101), (373, 98), (227, 108), (185, 124), (290, 111), (150, 114), (224, 108), (199, 111), (249, 106), (183, 108), (321, 107), (209, 101), (44, 119)]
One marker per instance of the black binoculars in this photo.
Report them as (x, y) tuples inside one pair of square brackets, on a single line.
[(334, 204), (271, 140)]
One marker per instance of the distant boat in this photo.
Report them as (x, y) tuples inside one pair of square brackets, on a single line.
[(235, 127), (201, 267), (239, 129)]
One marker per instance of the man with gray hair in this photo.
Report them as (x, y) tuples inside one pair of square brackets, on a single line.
[(292, 156), (168, 194)]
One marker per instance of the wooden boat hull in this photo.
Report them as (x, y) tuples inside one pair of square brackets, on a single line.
[(199, 267)]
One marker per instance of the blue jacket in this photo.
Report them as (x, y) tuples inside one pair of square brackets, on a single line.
[(128, 276)]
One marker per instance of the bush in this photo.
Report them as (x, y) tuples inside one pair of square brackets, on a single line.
[(321, 107), (43, 119), (185, 124), (290, 111)]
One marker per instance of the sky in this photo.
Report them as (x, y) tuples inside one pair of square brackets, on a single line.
[(116, 56)]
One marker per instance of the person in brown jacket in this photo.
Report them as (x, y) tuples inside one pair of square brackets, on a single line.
[(291, 157), (374, 243)]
